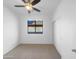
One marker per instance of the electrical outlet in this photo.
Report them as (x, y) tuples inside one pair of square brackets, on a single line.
[(74, 50)]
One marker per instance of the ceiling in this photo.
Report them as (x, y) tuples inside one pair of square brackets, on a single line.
[(47, 7)]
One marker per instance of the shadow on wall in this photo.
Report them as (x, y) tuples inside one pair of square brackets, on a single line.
[(55, 11)]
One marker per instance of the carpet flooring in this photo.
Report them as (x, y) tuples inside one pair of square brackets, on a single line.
[(25, 51)]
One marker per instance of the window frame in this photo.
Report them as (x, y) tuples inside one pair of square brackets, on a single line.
[(35, 25)]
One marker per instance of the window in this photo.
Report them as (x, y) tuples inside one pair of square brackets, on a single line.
[(35, 27)]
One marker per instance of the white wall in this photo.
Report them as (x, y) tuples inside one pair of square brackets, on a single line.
[(65, 29), (45, 38), (10, 28)]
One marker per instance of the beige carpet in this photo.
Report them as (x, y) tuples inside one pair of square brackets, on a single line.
[(33, 52)]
